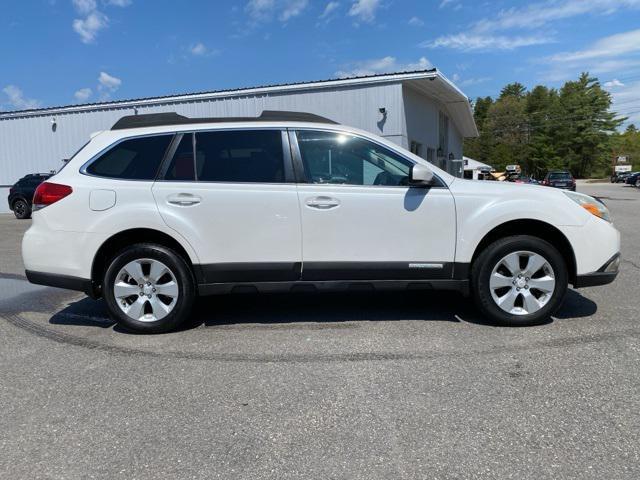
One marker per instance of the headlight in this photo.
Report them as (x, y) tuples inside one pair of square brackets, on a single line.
[(590, 204)]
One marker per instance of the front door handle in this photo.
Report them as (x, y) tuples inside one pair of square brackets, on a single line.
[(184, 199), (322, 202)]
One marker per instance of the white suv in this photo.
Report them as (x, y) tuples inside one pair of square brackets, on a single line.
[(162, 208)]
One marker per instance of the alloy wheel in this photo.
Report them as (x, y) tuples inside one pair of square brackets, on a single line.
[(146, 290), (522, 282), (20, 208)]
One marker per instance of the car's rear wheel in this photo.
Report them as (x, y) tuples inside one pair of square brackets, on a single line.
[(519, 280), (21, 209), (149, 288)]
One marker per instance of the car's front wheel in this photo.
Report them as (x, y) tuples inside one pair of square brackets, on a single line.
[(149, 288), (21, 209), (519, 280)]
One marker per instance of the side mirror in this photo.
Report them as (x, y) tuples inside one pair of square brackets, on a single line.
[(420, 175)]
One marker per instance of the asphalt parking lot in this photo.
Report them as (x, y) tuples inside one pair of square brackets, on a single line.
[(384, 386)]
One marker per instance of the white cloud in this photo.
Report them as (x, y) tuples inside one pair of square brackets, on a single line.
[(329, 9), (416, 22), (421, 64), (89, 27), (612, 46), (613, 54), (83, 94), (201, 50), (613, 83), (625, 102), (444, 3), (292, 8), (364, 10), (542, 13), (381, 65), (84, 6), (455, 77), (17, 100), (473, 81), (107, 85), (262, 11), (198, 49), (109, 82), (472, 42), (118, 3)]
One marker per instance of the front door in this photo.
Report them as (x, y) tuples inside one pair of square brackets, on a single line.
[(230, 193), (361, 220)]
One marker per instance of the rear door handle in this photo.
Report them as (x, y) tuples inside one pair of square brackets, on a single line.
[(322, 202), (183, 199)]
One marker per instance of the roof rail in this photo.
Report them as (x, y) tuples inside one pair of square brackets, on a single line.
[(172, 118)]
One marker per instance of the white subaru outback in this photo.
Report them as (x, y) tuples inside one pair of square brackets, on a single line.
[(162, 208)]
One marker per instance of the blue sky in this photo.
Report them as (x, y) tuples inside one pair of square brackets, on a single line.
[(57, 52)]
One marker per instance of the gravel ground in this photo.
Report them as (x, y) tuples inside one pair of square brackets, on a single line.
[(363, 386)]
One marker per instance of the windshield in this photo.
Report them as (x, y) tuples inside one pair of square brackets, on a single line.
[(560, 176)]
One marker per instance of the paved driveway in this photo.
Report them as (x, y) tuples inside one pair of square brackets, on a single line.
[(387, 386)]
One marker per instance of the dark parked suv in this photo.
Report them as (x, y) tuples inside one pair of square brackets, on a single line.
[(632, 179), (21, 194), (560, 179)]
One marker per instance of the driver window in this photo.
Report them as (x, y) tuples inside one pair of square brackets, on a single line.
[(339, 158)]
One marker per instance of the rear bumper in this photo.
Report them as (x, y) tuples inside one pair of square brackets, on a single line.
[(61, 281), (594, 279), (605, 274)]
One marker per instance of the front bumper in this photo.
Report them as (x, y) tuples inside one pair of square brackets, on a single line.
[(605, 274)]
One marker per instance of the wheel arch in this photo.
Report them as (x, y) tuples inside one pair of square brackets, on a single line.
[(534, 228), (120, 240)]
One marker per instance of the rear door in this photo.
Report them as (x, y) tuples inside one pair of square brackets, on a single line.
[(231, 194), (360, 219)]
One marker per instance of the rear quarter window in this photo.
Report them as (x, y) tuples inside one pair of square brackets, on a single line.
[(133, 159)]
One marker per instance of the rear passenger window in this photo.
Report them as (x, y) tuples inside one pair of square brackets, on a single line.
[(181, 167), (242, 156), (135, 159)]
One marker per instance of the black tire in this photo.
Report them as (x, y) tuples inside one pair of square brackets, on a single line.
[(180, 270), (21, 209), (482, 270)]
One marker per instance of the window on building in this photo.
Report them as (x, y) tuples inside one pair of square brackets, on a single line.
[(243, 156), (431, 154), (134, 159), (337, 158), (416, 148), (443, 134)]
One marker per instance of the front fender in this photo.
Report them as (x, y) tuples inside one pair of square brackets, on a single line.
[(478, 214)]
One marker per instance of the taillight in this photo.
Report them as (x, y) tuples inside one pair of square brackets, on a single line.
[(48, 193)]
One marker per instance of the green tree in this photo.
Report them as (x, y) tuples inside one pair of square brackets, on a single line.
[(545, 128), (507, 128), (516, 90), (480, 148), (582, 133), (627, 144)]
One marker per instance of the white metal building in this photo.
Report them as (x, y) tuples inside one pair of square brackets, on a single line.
[(422, 111), (474, 169)]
